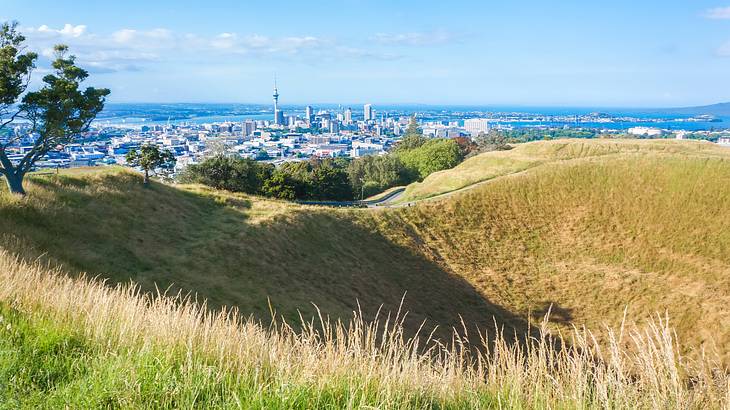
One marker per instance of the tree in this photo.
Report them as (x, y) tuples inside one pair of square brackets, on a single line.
[(330, 183), (492, 141), (372, 174), (282, 186), (149, 158), (230, 173), (57, 113), (412, 139), (434, 155)]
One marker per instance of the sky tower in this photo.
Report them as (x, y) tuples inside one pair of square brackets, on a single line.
[(278, 115)]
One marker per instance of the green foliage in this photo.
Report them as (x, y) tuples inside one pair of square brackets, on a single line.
[(230, 173), (412, 139), (370, 175), (434, 155), (329, 182), (149, 158), (321, 180), (57, 113), (16, 67), (283, 186)]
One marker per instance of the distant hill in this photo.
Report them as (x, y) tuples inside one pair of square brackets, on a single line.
[(718, 110)]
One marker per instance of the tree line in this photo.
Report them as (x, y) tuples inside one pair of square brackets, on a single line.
[(340, 179)]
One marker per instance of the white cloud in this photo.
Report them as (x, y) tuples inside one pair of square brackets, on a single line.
[(430, 38), (68, 30), (133, 49), (718, 13)]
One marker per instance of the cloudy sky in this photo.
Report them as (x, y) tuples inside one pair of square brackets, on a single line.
[(529, 52)]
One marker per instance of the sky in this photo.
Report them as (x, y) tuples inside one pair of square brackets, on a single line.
[(619, 53)]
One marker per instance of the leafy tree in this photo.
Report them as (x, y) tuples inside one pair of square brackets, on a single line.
[(492, 141), (283, 186), (369, 175), (57, 113), (466, 145), (412, 139), (149, 158), (434, 155), (230, 173), (330, 183)]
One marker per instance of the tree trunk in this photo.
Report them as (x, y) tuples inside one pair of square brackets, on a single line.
[(15, 183), (146, 177)]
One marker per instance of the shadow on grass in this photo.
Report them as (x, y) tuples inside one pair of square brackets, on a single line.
[(161, 237)]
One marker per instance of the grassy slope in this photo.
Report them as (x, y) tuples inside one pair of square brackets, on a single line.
[(631, 222), (232, 250), (645, 228), (647, 231), (490, 165), (76, 343)]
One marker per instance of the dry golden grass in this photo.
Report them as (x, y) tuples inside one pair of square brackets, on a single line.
[(490, 165), (590, 237), (355, 364), (601, 228)]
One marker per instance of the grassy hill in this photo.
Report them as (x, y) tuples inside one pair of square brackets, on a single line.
[(232, 250), (582, 228), (590, 237), (491, 165)]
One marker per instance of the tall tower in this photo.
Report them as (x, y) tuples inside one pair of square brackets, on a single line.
[(278, 115)]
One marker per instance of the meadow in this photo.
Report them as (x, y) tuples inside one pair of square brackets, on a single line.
[(597, 276)]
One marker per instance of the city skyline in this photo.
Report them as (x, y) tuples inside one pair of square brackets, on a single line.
[(624, 54)]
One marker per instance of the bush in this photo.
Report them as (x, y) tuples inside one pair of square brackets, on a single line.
[(229, 173), (434, 155), (370, 175), (283, 186)]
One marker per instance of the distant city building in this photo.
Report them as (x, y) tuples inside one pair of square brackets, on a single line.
[(248, 128), (368, 112), (724, 141), (645, 131), (309, 114), (476, 126), (348, 116)]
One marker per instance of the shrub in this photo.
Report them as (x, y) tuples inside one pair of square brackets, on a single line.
[(434, 155), (229, 173)]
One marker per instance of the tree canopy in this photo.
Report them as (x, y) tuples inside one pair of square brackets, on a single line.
[(57, 113), (149, 158)]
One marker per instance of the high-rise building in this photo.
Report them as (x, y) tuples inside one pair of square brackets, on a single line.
[(278, 115), (368, 112), (475, 126), (248, 128), (309, 114), (348, 116)]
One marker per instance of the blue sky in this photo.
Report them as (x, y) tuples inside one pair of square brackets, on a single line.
[(554, 53)]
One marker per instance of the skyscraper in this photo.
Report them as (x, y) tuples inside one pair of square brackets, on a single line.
[(368, 112), (278, 115), (348, 116), (309, 115)]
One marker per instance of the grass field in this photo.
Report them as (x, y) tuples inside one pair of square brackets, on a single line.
[(601, 231), (490, 165), (75, 343)]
